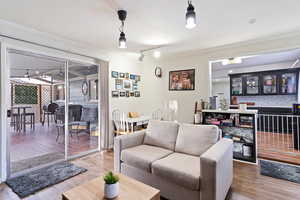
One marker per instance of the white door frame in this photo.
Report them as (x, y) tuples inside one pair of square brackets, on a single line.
[(4, 101)]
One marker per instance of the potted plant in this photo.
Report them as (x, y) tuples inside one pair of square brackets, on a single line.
[(111, 188)]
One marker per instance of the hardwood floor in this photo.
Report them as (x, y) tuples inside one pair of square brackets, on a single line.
[(42, 141), (248, 183), (277, 146)]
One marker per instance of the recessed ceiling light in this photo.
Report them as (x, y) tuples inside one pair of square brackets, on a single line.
[(229, 61), (252, 21), (156, 54)]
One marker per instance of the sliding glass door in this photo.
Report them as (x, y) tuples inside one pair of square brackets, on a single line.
[(53, 111), (83, 120)]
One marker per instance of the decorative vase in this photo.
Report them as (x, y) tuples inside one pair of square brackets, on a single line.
[(111, 191)]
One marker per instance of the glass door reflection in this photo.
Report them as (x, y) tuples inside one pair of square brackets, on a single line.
[(83, 120)]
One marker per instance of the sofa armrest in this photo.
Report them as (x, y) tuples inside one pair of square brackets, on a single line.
[(217, 170), (124, 142)]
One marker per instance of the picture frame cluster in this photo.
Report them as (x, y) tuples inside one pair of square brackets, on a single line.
[(126, 84)]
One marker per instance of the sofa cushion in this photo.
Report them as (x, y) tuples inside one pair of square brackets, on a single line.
[(143, 156), (182, 169), (196, 139), (162, 134)]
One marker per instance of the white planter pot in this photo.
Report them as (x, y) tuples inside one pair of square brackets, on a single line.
[(111, 190)]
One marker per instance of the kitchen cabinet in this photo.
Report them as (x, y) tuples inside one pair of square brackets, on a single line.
[(269, 83), (274, 82), (252, 84)]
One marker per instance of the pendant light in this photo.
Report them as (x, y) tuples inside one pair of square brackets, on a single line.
[(190, 16), (122, 39)]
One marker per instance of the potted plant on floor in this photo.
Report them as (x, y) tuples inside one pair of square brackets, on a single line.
[(111, 188)]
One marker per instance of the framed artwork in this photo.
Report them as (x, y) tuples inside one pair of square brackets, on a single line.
[(114, 74), (122, 75), (132, 94), (182, 80), (127, 94), (127, 75), (137, 94), (115, 94), (119, 84), (127, 84), (137, 77), (132, 76), (122, 94), (134, 86)]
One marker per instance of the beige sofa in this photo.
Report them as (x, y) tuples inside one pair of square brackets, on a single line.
[(184, 161)]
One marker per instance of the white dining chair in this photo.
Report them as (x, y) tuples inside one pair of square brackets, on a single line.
[(157, 114), (120, 121)]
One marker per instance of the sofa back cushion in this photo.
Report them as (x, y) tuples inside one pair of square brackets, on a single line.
[(162, 134), (196, 139)]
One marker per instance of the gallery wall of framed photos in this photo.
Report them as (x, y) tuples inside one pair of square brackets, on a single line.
[(125, 84)]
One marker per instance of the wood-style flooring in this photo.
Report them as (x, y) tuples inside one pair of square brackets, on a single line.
[(278, 147), (248, 183), (43, 141)]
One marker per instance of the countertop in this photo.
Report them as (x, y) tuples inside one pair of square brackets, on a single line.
[(257, 106), (232, 111)]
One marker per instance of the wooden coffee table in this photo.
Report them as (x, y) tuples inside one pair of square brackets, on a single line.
[(130, 189)]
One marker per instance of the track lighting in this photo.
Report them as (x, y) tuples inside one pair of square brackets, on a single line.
[(190, 16), (141, 58), (122, 39)]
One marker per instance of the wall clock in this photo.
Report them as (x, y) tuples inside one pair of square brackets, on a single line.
[(85, 88), (158, 72)]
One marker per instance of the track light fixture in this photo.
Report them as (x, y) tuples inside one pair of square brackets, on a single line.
[(122, 39), (190, 16)]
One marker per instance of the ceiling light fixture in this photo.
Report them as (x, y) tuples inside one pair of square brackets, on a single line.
[(156, 54), (230, 61), (122, 39), (190, 16)]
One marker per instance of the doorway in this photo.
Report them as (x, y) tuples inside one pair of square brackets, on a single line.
[(41, 129)]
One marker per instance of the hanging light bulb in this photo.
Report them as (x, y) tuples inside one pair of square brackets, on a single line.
[(190, 16), (122, 41)]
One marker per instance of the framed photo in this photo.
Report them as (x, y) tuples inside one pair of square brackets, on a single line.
[(137, 77), (127, 75), (132, 76), (132, 94), (122, 75), (127, 94), (122, 94), (137, 94), (114, 74), (127, 84), (134, 86), (119, 84), (182, 80), (115, 94)]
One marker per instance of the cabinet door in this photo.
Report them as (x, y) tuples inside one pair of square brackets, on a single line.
[(269, 84), (252, 84), (288, 83), (236, 86)]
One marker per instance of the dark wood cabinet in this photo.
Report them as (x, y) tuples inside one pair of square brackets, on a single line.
[(275, 82)]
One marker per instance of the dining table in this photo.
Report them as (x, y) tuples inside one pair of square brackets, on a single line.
[(137, 121), (21, 117)]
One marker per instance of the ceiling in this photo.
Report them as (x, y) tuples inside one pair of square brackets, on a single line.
[(22, 63), (263, 59), (153, 23)]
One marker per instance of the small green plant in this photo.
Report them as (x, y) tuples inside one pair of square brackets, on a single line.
[(110, 178)]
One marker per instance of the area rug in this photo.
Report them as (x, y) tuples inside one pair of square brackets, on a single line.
[(280, 170), (20, 165), (35, 181)]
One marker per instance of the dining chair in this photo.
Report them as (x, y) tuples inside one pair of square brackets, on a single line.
[(157, 114), (31, 116), (120, 123), (49, 111)]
